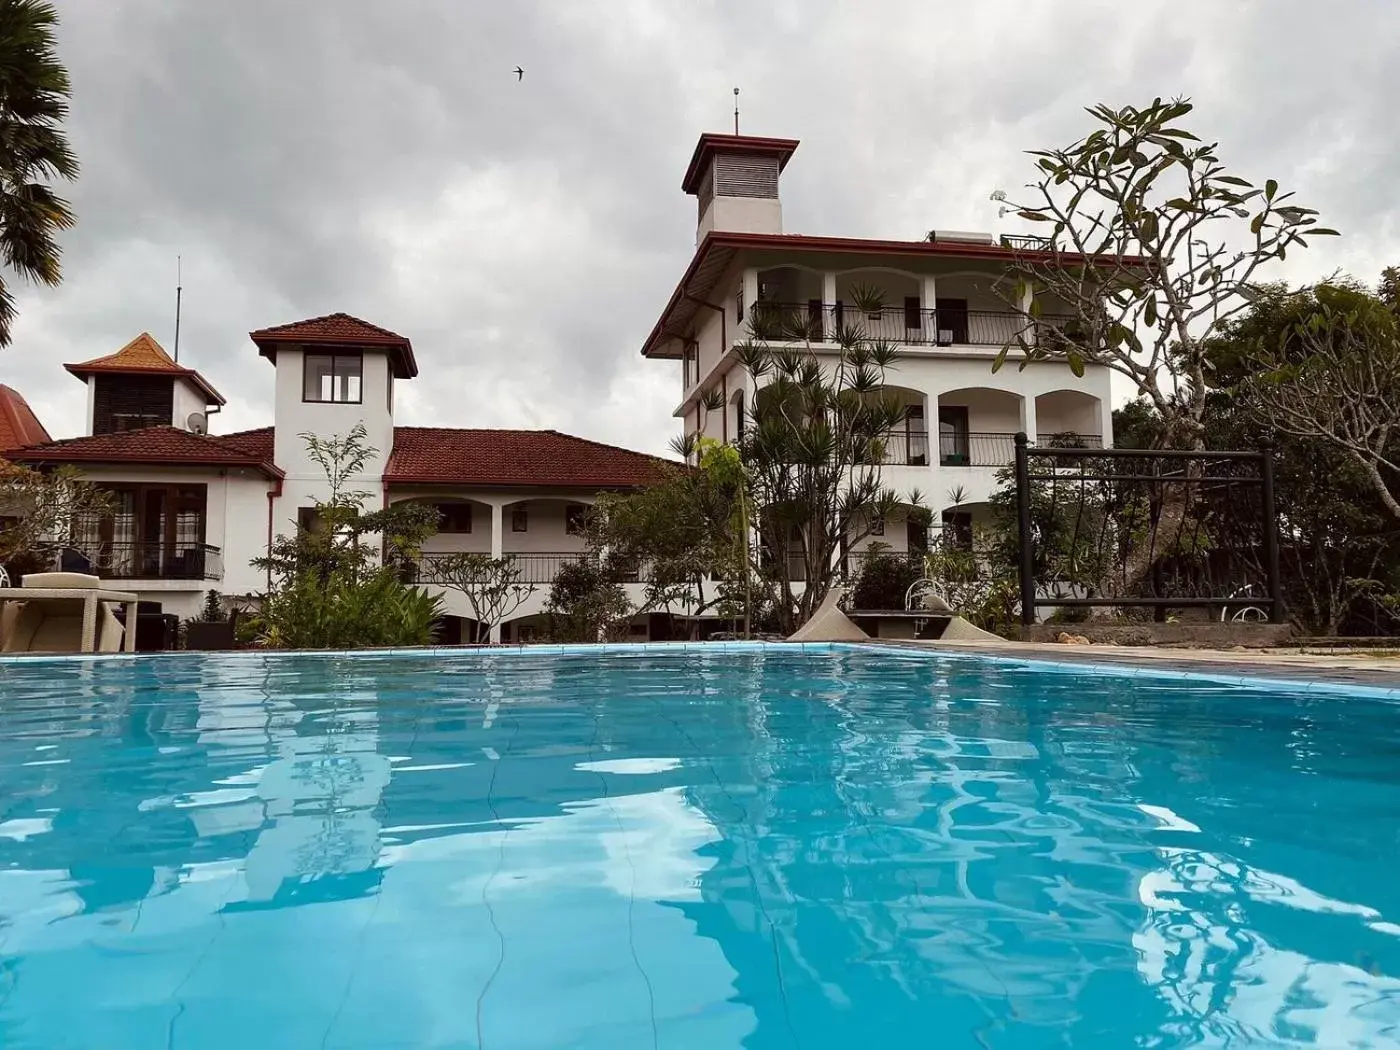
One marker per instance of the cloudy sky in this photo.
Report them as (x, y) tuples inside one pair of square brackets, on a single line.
[(380, 158)]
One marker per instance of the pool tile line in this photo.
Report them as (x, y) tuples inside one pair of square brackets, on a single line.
[(486, 886), (632, 883)]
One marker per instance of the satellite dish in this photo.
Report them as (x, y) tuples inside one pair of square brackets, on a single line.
[(197, 423)]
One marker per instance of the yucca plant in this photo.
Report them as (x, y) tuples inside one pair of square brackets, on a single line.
[(812, 451)]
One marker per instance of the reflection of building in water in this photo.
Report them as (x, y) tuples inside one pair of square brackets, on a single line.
[(91, 797), (310, 800)]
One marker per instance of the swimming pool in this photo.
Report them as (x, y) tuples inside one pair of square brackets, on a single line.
[(689, 848)]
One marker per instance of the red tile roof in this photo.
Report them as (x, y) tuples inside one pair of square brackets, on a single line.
[(257, 443), (515, 458), (19, 426), (421, 456), (164, 446), (144, 356), (339, 329)]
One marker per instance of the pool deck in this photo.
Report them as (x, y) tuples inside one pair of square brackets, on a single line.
[(1357, 669)]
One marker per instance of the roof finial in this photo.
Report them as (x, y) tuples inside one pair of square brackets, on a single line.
[(736, 111)]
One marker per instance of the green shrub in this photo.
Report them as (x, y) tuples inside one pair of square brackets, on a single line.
[(884, 579), (587, 604), (341, 611)]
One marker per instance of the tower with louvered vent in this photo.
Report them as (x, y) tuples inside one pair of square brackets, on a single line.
[(734, 179)]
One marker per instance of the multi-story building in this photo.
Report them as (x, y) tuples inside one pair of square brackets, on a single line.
[(194, 509), (946, 300)]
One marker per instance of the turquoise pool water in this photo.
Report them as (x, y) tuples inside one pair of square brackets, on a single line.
[(696, 850)]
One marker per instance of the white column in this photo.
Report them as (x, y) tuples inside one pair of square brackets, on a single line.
[(750, 297), (1028, 326), (1028, 416), (497, 522), (931, 423), (1106, 421), (829, 307), (930, 301)]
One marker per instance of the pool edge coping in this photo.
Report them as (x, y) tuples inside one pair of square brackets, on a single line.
[(1123, 665)]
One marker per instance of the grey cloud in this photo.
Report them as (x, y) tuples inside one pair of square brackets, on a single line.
[(381, 159)]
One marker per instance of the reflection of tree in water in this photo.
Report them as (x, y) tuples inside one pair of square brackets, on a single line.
[(896, 855), (1203, 948)]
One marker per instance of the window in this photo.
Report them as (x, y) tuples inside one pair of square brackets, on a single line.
[(121, 403), (123, 421), (307, 519), (877, 527), (957, 529), (739, 306), (574, 518), (688, 365), (739, 415), (953, 438), (332, 378), (913, 315), (952, 321), (519, 520), (454, 517)]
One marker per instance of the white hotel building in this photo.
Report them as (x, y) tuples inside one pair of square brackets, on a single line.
[(196, 507), (943, 302)]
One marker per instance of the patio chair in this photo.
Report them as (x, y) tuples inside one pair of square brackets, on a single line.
[(55, 625)]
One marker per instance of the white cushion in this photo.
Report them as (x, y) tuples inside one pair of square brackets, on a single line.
[(70, 580)]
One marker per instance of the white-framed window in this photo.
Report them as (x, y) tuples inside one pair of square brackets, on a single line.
[(332, 378)]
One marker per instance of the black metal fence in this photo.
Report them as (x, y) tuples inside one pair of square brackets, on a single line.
[(1107, 528)]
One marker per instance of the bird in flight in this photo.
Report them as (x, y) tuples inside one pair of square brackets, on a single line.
[(519, 74)]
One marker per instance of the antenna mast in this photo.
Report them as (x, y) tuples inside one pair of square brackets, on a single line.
[(736, 111), (179, 290)]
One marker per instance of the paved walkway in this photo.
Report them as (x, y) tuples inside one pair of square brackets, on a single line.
[(1292, 664)]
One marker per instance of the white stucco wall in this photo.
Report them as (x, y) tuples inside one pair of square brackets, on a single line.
[(235, 522), (305, 482), (741, 215), (188, 399)]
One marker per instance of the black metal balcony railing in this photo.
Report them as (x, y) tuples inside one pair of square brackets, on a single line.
[(536, 567), (910, 448), (905, 448), (775, 321), (976, 449), (152, 561)]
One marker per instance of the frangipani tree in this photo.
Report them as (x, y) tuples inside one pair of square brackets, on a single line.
[(1150, 244)]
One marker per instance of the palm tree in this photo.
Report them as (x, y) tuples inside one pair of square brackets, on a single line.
[(34, 93)]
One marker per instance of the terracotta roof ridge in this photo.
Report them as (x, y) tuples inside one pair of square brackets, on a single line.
[(476, 430), (163, 428), (337, 315), (614, 448)]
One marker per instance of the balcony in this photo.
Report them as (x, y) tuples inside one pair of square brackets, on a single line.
[(150, 561), (535, 567), (910, 448), (813, 322)]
